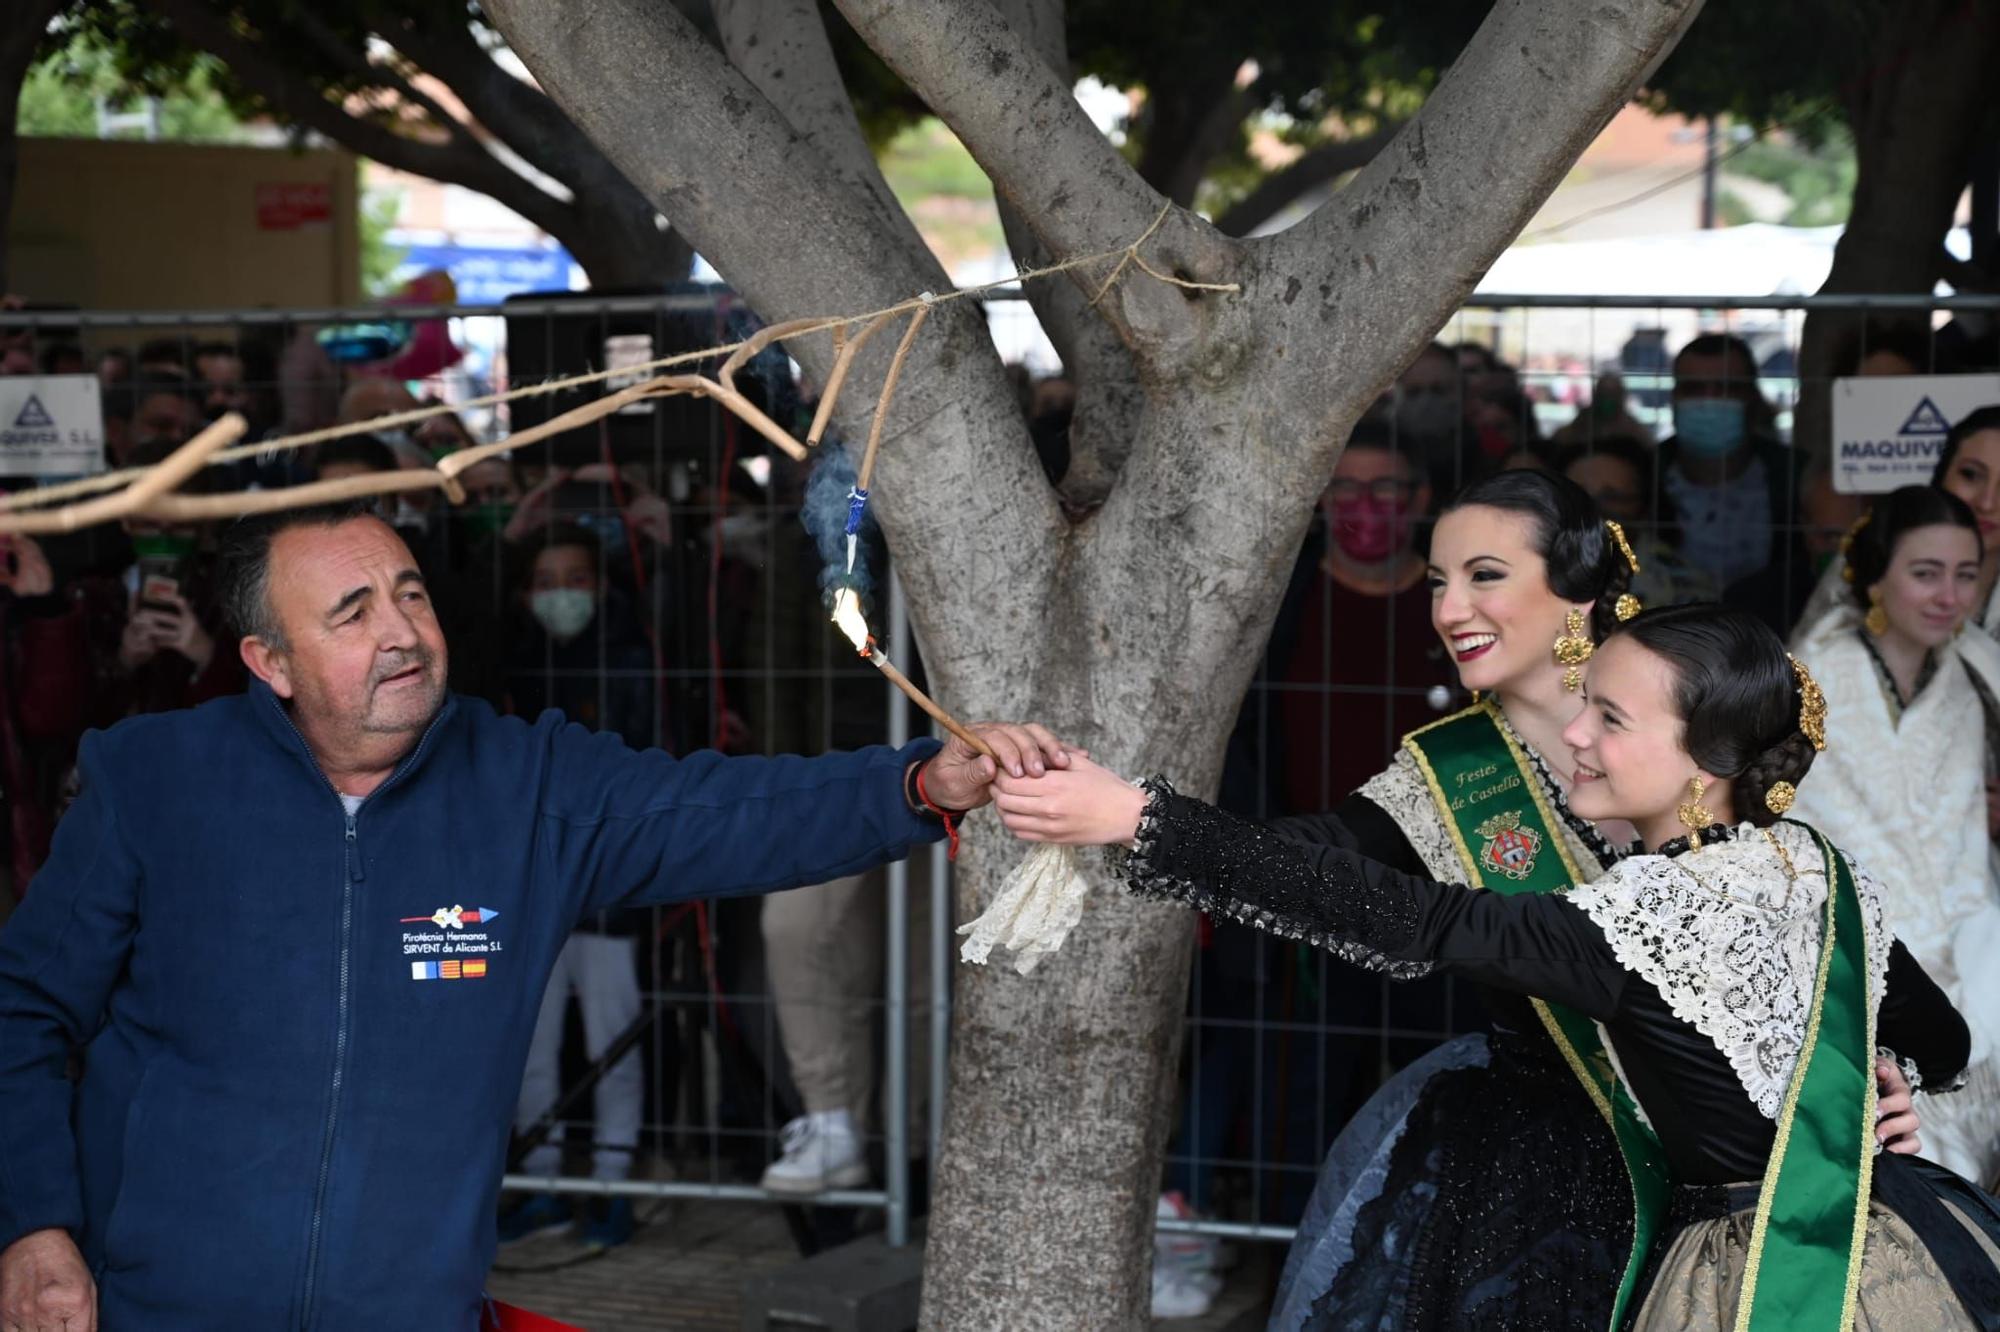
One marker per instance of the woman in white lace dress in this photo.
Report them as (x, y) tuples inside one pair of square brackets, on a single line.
[(1907, 775), (1739, 973)]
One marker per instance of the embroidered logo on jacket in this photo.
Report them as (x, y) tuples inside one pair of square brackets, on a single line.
[(453, 917), (1510, 849)]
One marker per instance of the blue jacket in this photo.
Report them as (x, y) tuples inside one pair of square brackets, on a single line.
[(293, 1114)]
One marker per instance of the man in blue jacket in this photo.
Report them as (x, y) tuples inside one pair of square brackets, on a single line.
[(299, 937)]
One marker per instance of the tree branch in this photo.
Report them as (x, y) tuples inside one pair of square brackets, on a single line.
[(781, 46), (1526, 97), (1315, 167), (1017, 117), (956, 478)]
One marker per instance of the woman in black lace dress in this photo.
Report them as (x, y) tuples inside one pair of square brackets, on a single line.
[(1740, 985)]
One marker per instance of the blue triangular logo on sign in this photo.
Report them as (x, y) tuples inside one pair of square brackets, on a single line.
[(33, 415), (1926, 420)]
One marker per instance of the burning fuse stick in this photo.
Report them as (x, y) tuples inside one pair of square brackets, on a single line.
[(847, 615)]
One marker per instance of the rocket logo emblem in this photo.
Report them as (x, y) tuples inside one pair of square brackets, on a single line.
[(453, 917)]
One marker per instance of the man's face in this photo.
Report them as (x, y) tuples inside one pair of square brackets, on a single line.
[(221, 383), (363, 653), (163, 418)]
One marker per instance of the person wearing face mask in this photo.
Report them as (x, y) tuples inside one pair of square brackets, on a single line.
[(1355, 664), (580, 653), (580, 649), (1735, 973), (1909, 772), (1427, 412), (1734, 484)]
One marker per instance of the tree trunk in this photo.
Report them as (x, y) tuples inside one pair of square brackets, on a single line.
[(20, 37), (1131, 629), (1916, 120)]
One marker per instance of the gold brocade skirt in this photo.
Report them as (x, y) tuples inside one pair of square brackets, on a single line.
[(1700, 1277)]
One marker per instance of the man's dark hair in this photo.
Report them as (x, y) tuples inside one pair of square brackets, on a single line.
[(122, 398), (243, 562), (1720, 344), (367, 450), (157, 352), (207, 349)]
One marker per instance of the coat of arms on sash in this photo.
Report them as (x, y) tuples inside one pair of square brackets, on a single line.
[(1510, 849)]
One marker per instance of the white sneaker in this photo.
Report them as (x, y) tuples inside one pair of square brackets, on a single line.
[(1177, 1250), (1178, 1294), (822, 1151)]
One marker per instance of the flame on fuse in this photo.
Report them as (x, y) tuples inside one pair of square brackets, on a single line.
[(848, 618)]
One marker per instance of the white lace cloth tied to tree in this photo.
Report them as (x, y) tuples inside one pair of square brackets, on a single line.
[(1038, 905)]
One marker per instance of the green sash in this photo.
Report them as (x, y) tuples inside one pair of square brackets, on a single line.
[(1509, 841), (1804, 1264)]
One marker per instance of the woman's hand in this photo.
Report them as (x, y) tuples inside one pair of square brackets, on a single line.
[(1895, 1115), (1081, 805)]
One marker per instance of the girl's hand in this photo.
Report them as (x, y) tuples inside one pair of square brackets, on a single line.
[(1081, 805), (1896, 1121)]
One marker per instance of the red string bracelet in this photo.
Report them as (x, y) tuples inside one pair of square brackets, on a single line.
[(946, 815)]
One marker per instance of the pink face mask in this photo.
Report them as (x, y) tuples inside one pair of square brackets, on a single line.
[(1369, 530)]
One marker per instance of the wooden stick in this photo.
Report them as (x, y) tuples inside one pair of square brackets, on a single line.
[(923, 700), (888, 393), (842, 363), (759, 340), (177, 467)]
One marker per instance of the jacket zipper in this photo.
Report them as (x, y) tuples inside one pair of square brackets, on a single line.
[(351, 872)]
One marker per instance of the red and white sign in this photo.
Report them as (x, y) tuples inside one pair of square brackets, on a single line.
[(288, 205)]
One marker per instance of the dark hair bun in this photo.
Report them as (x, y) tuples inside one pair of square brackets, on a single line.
[(1584, 563), (1786, 761)]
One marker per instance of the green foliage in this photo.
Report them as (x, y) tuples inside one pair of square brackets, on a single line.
[(61, 93), (1817, 177), (926, 159), (379, 258)]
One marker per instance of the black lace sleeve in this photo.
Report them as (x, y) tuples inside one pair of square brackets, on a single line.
[(1533, 943), (1359, 825), (1918, 1021), (1189, 851)]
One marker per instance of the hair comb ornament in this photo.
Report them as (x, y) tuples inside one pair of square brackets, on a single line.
[(1812, 704), (1617, 531), (1847, 545)]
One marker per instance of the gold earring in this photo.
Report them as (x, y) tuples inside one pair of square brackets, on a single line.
[(1694, 815), (1876, 619), (1573, 649)]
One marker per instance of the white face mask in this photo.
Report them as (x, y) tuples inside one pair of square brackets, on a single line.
[(563, 611)]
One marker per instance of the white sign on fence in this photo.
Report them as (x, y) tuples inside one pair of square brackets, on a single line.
[(1889, 429), (51, 425)]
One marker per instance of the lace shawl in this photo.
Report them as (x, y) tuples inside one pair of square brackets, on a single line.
[(1732, 942)]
